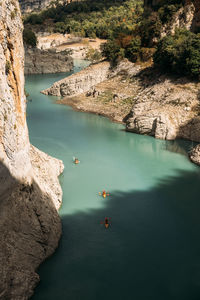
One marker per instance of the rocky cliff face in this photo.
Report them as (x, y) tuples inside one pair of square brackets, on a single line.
[(29, 189), (33, 5), (188, 16), (81, 82), (47, 61), (165, 107)]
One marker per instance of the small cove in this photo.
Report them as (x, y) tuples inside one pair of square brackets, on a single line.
[(152, 249)]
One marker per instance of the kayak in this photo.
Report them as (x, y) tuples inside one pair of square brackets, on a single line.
[(106, 226), (104, 195)]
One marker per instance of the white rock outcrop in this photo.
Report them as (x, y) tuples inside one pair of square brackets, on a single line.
[(80, 82), (194, 155)]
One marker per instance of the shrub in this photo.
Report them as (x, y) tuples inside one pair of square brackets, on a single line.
[(29, 37), (93, 55), (112, 51), (146, 53), (133, 48), (150, 29), (8, 67)]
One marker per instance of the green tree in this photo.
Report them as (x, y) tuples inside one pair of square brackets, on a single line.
[(29, 37), (132, 50), (112, 51)]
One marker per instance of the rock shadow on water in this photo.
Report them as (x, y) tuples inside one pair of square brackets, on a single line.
[(150, 251)]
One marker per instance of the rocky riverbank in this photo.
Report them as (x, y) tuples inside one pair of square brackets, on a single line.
[(80, 82), (165, 107), (112, 97), (148, 102)]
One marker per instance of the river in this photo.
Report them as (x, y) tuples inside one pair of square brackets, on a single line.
[(151, 250)]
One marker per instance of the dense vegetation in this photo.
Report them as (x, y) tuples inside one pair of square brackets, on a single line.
[(130, 32), (179, 53), (91, 18)]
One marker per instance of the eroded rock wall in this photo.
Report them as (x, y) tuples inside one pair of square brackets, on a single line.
[(80, 82), (47, 61), (30, 193), (14, 141), (167, 108), (33, 5)]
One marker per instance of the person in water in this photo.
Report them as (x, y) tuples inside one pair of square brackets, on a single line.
[(106, 221)]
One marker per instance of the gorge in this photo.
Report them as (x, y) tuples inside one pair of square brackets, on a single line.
[(152, 205), (151, 249)]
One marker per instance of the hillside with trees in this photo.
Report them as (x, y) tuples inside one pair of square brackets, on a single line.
[(134, 31)]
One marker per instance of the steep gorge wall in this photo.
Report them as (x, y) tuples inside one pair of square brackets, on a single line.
[(30, 193), (14, 142)]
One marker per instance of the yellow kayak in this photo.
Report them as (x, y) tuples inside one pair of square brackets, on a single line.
[(106, 225)]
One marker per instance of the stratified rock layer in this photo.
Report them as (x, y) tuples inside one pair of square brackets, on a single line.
[(30, 193), (166, 108), (80, 82), (47, 61)]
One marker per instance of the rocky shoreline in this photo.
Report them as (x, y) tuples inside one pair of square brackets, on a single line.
[(145, 100)]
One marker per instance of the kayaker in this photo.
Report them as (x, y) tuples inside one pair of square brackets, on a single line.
[(76, 161), (104, 193), (106, 223)]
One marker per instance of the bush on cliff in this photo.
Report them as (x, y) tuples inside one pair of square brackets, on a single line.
[(29, 37), (179, 53)]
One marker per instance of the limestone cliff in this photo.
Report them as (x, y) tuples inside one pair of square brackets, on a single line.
[(30, 193)]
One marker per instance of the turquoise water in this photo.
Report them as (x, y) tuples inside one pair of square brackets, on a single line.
[(152, 249)]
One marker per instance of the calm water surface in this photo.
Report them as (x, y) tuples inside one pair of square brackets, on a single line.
[(152, 249)]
